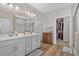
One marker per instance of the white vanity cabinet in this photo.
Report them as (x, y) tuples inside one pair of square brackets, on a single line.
[(13, 47), (39, 38), (6, 51), (36, 41), (19, 49), (32, 42), (19, 46), (28, 44)]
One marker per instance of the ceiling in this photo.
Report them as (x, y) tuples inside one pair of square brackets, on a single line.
[(48, 7)]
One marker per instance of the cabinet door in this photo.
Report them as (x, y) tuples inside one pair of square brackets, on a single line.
[(33, 44), (28, 44), (7, 51), (36, 41), (19, 49)]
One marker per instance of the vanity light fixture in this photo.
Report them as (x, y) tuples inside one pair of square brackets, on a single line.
[(10, 5), (31, 14)]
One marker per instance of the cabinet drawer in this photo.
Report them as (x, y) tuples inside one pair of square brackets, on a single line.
[(17, 49), (7, 51), (12, 41)]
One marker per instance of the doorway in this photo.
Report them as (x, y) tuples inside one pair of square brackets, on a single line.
[(59, 29), (62, 30)]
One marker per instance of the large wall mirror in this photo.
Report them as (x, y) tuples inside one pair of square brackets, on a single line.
[(29, 26), (23, 25), (19, 25), (5, 25)]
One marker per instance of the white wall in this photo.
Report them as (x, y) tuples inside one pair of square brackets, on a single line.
[(78, 20), (51, 19), (66, 28), (73, 24)]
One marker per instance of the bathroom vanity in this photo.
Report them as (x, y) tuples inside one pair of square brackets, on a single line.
[(17, 23), (19, 45), (12, 46)]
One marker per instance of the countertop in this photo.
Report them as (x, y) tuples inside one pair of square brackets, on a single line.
[(7, 37)]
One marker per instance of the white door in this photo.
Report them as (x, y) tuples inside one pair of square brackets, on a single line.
[(66, 28)]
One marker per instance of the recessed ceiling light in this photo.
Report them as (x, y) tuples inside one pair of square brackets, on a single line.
[(17, 7), (10, 5)]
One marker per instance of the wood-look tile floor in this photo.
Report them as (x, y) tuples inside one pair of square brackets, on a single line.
[(53, 50)]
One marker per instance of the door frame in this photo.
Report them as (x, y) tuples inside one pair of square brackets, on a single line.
[(63, 29)]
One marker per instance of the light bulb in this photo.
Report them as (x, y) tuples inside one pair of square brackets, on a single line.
[(28, 12), (34, 15), (31, 14), (10, 5), (17, 8)]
